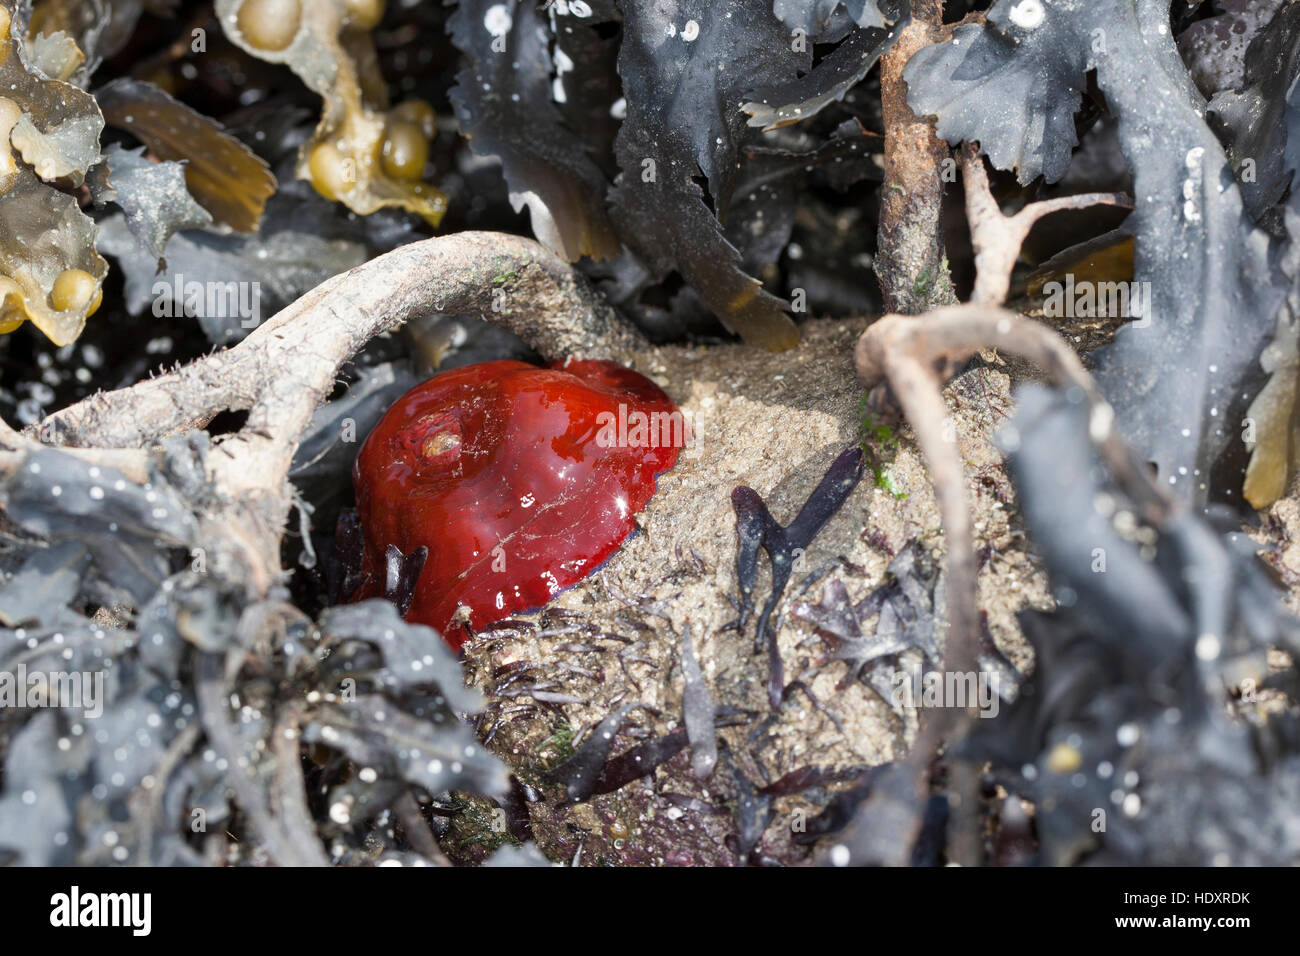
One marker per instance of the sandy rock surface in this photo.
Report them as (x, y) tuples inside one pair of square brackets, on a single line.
[(774, 422)]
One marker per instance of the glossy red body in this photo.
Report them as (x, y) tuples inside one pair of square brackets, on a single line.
[(518, 480)]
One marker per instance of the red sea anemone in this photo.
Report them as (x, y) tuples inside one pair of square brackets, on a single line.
[(518, 480)]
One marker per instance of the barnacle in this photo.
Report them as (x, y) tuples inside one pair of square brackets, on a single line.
[(362, 154), (50, 273)]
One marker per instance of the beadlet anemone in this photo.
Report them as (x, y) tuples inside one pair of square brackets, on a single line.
[(519, 481)]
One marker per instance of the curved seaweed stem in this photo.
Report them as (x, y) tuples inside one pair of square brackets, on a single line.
[(996, 237), (285, 368), (905, 360)]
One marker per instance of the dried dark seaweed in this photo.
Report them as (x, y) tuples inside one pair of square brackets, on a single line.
[(152, 196), (363, 686), (757, 528), (683, 118), (1125, 705), (579, 774), (829, 81), (504, 102), (1179, 378), (639, 761), (698, 711), (227, 178)]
